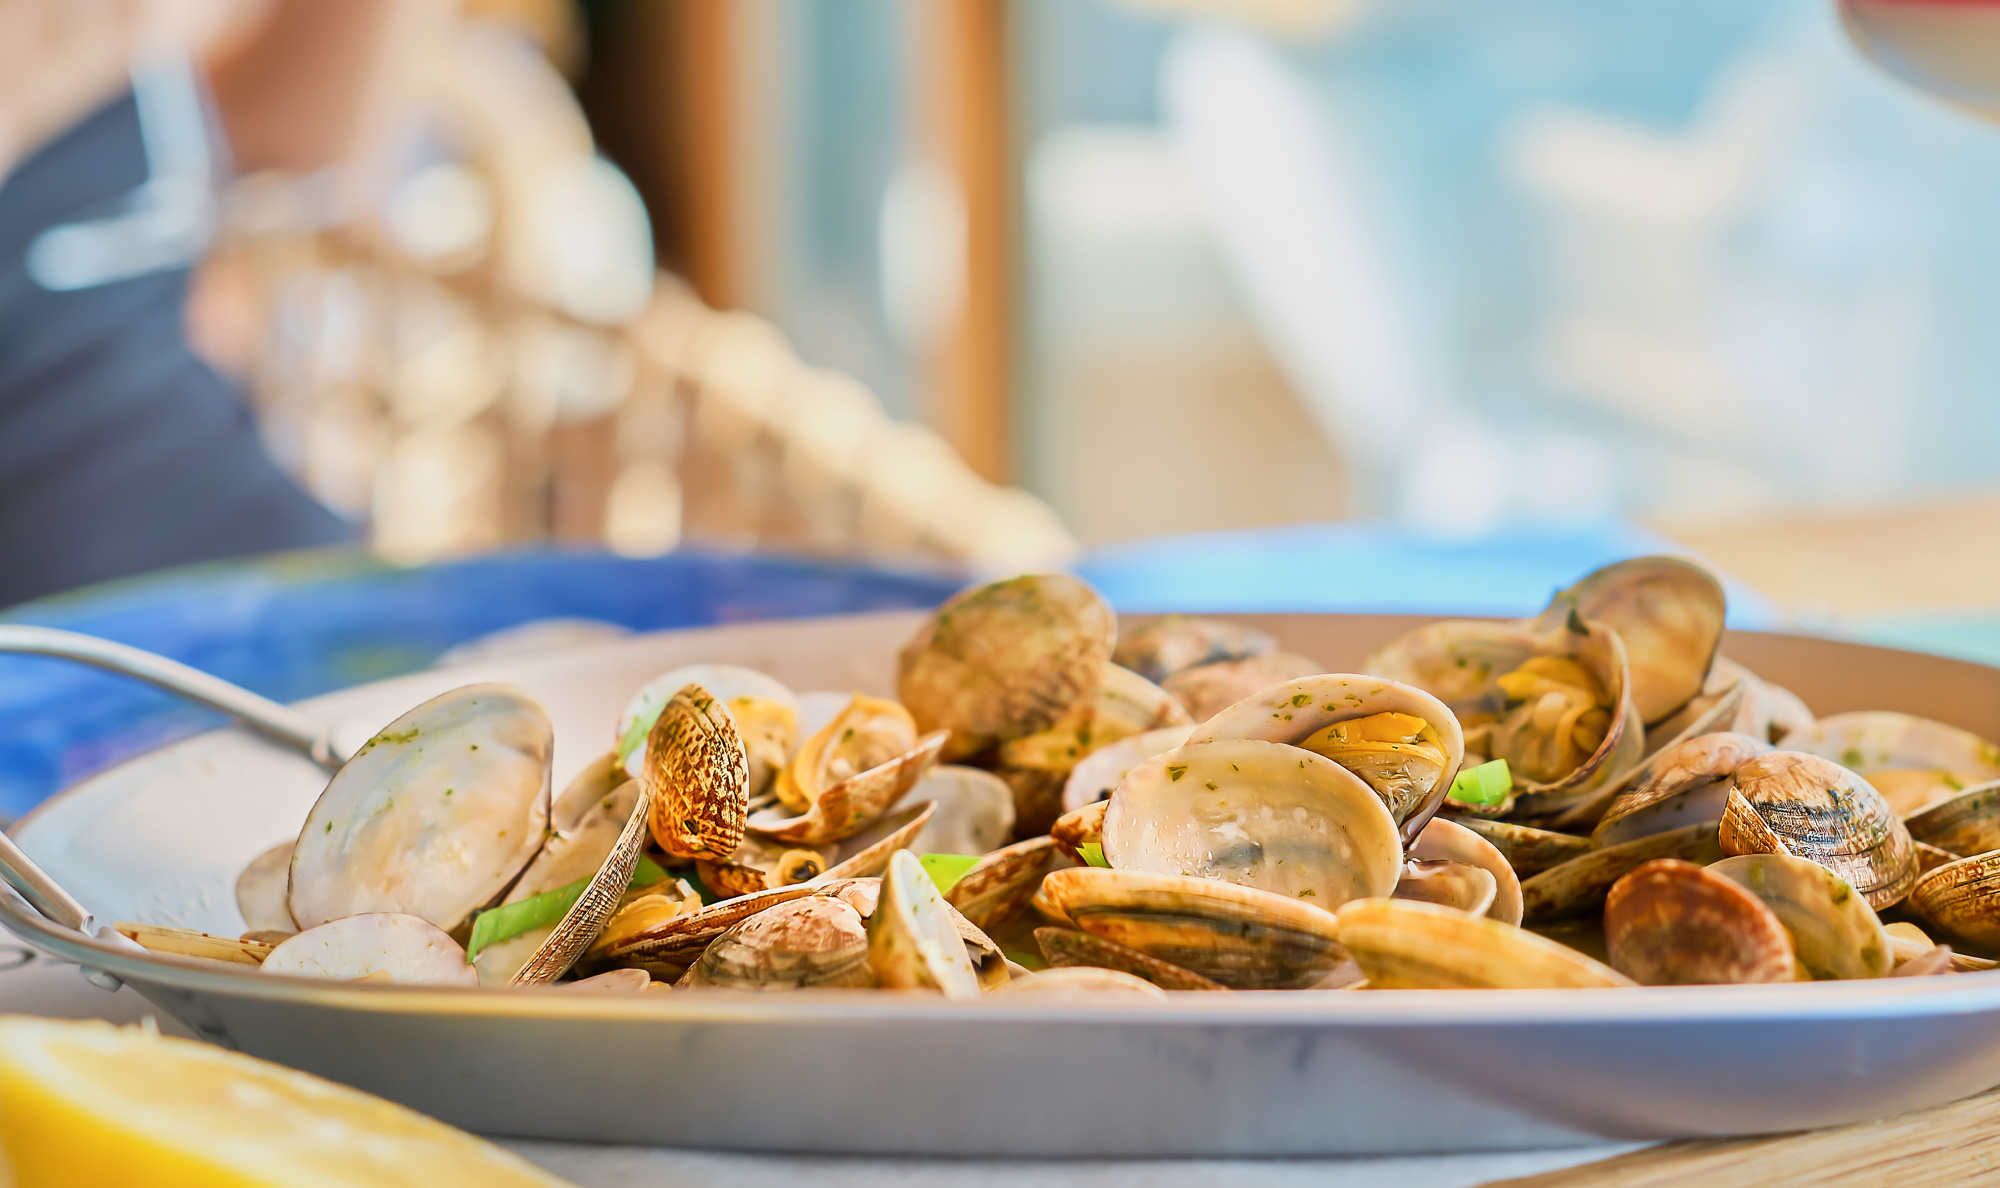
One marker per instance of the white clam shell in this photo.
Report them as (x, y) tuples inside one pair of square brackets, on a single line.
[(975, 811), (1934, 761), (376, 946), (1097, 773)]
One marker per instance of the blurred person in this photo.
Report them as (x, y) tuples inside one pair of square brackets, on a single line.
[(120, 450)]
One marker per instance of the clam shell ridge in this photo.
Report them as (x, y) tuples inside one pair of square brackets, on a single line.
[(1295, 710), (699, 777)]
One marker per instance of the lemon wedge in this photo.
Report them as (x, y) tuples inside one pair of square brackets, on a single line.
[(89, 1104)]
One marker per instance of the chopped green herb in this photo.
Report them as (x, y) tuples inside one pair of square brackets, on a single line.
[(1488, 783), (1092, 854), (510, 920), (1176, 771)]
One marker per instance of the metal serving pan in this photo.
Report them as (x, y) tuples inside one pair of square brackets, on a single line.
[(162, 837)]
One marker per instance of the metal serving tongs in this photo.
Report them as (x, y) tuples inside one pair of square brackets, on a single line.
[(266, 717)]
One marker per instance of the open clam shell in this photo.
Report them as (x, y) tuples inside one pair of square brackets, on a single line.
[(597, 831), (374, 947), (1038, 766), (1824, 812), (1450, 841), (1965, 824), (1402, 945), (1666, 785), (1096, 774), (815, 941), (263, 891), (1913, 762), (1672, 923), (1316, 712), (1257, 814), (434, 817), (664, 935), (1067, 947), (699, 778), (1211, 688), (1527, 849), (913, 941), (849, 805), (1961, 900), (975, 811), (1460, 886), (1175, 643), (866, 854), (1082, 980), (1005, 659), (1238, 936), (999, 887), (765, 712), (1578, 887), (1718, 716), (1669, 613), (1835, 934)]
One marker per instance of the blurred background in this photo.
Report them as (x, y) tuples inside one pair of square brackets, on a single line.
[(1195, 288)]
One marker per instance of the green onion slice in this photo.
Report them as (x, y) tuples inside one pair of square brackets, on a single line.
[(1488, 783), (1092, 854), (510, 920), (947, 869)]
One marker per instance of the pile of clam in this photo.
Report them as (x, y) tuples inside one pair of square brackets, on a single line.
[(1594, 797)]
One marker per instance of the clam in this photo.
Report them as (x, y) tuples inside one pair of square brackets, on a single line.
[(1005, 659), (1578, 887), (1257, 814), (1734, 699), (665, 931), (1672, 923), (1689, 777), (263, 891), (1080, 827), (1966, 824), (1716, 717), (1835, 934), (1527, 849), (975, 811), (1914, 954), (1668, 611), (1553, 704), (1961, 900), (613, 981), (1402, 945), (374, 947), (1449, 841), (1212, 688), (1789, 715), (760, 865), (1176, 643), (1083, 979), (1065, 947), (700, 781), (1913, 762), (1401, 741), (1930, 857), (866, 854), (913, 942), (999, 886), (1238, 936), (1038, 766), (1097, 773), (434, 817), (186, 942), (1460, 886), (850, 773), (597, 829), (765, 713), (1824, 812), (1744, 831), (815, 941)]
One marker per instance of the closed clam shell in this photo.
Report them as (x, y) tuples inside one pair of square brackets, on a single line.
[(1460, 886), (1913, 762), (1827, 813), (1672, 774), (1744, 831), (1172, 643), (1097, 773), (913, 943), (263, 891), (374, 947), (1071, 947), (975, 811), (1965, 824), (1669, 613), (695, 766), (1081, 980), (1444, 840), (1000, 885), (1835, 934), (1005, 659), (1238, 936), (1296, 711), (815, 941), (1258, 814), (1672, 923), (1578, 887), (1403, 945), (1527, 849), (1212, 688), (434, 817), (765, 712), (1961, 902), (1123, 705)]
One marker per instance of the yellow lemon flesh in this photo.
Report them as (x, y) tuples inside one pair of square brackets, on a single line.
[(84, 1105)]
